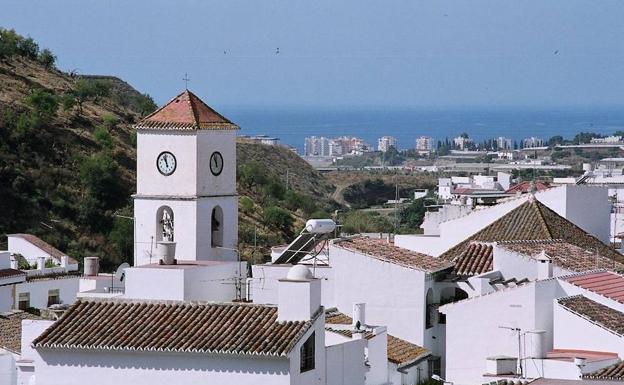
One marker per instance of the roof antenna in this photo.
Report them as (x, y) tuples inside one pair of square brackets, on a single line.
[(186, 80)]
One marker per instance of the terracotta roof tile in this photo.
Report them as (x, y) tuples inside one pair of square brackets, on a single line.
[(43, 245), (613, 372), (476, 259), (532, 220), (598, 313), (400, 352), (605, 283), (186, 112), (564, 254), (525, 187), (11, 329), (10, 273), (387, 252), (173, 327)]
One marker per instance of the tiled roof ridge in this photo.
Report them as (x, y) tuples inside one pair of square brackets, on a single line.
[(612, 372), (537, 205), (578, 274), (42, 245), (503, 290), (584, 316), (531, 241), (195, 111), (338, 243), (171, 302)]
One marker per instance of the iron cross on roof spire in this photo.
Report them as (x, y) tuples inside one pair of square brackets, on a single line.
[(186, 80)]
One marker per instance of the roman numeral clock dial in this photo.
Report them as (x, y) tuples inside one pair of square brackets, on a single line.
[(216, 163), (166, 163)]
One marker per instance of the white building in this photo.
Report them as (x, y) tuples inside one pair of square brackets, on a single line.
[(503, 143), (335, 147), (613, 139), (531, 142), (159, 342), (31, 248), (316, 146), (462, 142), (424, 144), (385, 142)]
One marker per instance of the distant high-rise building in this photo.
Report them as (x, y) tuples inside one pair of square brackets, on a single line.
[(316, 146), (462, 142), (385, 142), (504, 143), (336, 147), (424, 144), (532, 142)]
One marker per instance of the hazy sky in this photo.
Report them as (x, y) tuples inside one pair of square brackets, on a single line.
[(543, 53)]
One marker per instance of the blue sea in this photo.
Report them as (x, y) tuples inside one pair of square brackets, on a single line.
[(293, 125)]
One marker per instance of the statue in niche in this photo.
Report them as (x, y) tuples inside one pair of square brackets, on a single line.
[(167, 226)]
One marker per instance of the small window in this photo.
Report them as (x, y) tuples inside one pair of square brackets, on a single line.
[(434, 366), (307, 355), (23, 301), (54, 297)]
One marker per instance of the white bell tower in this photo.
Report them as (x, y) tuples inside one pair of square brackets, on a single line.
[(186, 182)]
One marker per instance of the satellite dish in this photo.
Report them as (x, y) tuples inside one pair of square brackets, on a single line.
[(120, 272)]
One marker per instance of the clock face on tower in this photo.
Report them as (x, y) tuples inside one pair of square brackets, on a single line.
[(216, 163), (166, 163)]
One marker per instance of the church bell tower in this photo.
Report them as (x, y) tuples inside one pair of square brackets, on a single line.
[(186, 182)]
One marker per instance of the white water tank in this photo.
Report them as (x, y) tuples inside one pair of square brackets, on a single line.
[(41, 263), (359, 315), (166, 252), (8, 373), (91, 266), (537, 344), (320, 226), (587, 167)]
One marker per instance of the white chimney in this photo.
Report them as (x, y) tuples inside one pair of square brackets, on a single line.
[(359, 316), (166, 252), (544, 266), (64, 261), (91, 266), (299, 295), (14, 264), (41, 263)]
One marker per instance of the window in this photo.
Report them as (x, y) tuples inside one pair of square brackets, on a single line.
[(430, 310), (23, 301), (54, 297), (307, 355), (216, 224), (434, 366)]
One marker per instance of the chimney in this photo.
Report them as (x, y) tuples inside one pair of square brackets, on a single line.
[(91, 266), (544, 266), (41, 263), (359, 316), (14, 264), (166, 252), (64, 261), (299, 295)]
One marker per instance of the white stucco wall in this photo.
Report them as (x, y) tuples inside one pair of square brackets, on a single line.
[(197, 283), (473, 330), (68, 288), (263, 285), (393, 294), (593, 337), (345, 363), (6, 298)]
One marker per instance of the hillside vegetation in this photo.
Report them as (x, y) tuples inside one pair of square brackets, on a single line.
[(67, 163)]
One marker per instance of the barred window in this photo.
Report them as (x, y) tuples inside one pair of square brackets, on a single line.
[(307, 355), (23, 301), (54, 297)]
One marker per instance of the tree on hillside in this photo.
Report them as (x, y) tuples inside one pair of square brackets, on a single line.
[(43, 103), (46, 58)]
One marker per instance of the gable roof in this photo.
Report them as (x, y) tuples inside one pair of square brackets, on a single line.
[(43, 245), (11, 329), (186, 112), (564, 254), (400, 352), (167, 326), (532, 220), (382, 250), (605, 283), (595, 312), (10, 273), (613, 372), (527, 186)]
